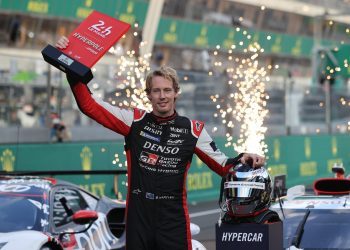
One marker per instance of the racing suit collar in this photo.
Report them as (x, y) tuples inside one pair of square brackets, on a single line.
[(164, 120)]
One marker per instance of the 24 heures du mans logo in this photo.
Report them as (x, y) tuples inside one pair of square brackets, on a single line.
[(100, 29)]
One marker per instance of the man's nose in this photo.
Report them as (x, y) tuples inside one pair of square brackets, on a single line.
[(162, 94)]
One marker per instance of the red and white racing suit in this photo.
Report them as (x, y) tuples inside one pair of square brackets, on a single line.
[(159, 153)]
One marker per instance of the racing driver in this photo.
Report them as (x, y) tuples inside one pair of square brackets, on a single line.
[(159, 147)]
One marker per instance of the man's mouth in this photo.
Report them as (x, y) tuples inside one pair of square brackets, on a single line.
[(162, 104)]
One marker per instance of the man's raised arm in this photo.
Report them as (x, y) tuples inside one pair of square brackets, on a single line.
[(114, 118)]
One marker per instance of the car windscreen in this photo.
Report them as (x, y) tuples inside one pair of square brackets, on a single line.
[(22, 209), (323, 228)]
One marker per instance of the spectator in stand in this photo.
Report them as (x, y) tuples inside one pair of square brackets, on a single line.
[(59, 131), (27, 116)]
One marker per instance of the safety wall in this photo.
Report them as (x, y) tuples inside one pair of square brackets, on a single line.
[(302, 158)]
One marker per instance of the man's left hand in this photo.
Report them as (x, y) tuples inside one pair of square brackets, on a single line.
[(253, 160)]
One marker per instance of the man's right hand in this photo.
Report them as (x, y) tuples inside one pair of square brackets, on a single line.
[(253, 160), (62, 43)]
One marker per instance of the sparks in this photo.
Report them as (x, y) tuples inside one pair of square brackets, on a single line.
[(244, 103), (130, 79)]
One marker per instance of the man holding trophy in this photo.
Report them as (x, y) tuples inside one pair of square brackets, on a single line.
[(159, 147)]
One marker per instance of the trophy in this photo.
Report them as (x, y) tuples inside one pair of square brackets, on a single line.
[(87, 44)]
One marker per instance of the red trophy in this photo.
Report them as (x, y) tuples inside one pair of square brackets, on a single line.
[(87, 44)]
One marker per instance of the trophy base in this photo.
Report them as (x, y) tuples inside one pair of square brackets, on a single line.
[(57, 58)]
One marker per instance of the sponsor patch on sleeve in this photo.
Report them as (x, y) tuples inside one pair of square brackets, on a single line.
[(196, 127)]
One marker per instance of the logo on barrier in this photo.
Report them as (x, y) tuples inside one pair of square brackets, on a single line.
[(199, 162), (86, 159), (7, 160), (334, 146), (307, 144), (277, 149)]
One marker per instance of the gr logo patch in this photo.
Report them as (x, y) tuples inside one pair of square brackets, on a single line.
[(149, 158)]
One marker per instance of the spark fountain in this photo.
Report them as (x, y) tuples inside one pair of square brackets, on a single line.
[(244, 104)]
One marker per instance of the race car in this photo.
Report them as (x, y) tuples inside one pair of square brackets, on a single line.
[(318, 217), (45, 213)]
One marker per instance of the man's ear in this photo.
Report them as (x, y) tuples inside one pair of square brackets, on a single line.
[(149, 97)]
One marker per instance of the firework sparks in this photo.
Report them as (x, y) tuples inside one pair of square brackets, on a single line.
[(131, 70), (244, 103)]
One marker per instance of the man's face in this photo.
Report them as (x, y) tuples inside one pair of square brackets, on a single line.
[(162, 96)]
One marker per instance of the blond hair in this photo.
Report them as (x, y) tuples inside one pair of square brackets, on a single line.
[(166, 72)]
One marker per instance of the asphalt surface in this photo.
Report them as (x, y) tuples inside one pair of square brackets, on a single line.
[(205, 215)]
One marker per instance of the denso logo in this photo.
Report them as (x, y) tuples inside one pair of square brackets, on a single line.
[(100, 29), (162, 149)]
